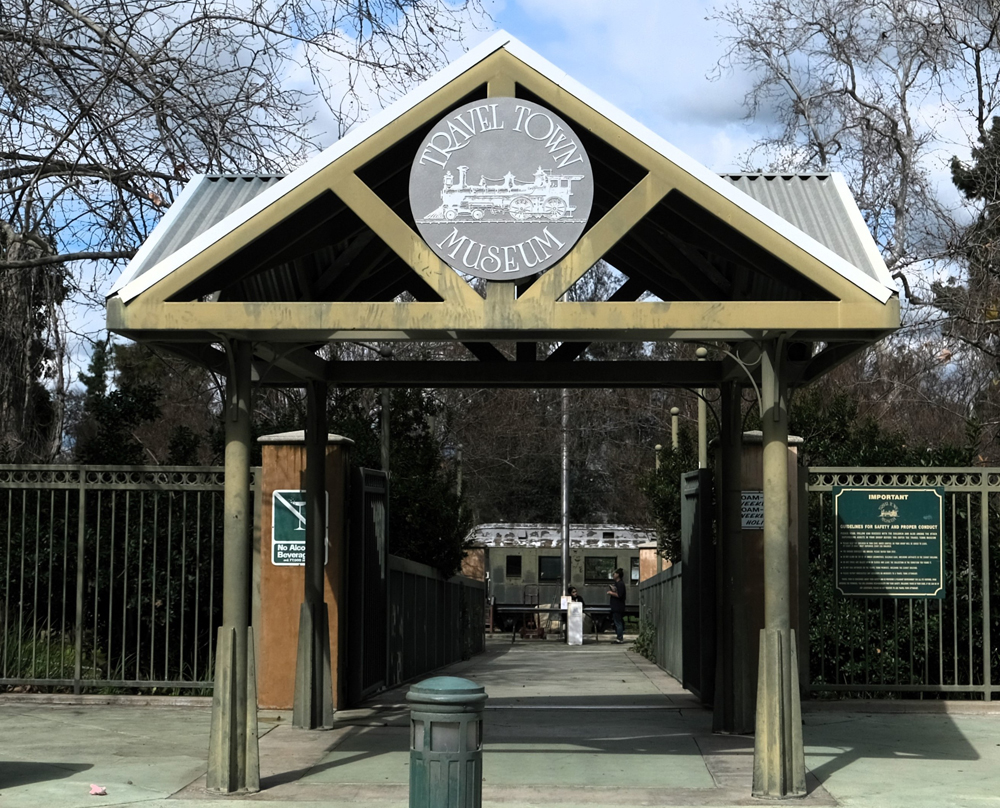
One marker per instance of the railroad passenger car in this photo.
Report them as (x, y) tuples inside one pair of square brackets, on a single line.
[(522, 563)]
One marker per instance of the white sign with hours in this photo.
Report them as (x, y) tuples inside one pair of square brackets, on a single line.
[(753, 510)]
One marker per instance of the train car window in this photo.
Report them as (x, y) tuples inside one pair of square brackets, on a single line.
[(549, 568), (598, 569), (513, 566), (635, 570)]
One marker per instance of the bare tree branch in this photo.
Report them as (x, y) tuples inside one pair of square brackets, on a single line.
[(107, 107)]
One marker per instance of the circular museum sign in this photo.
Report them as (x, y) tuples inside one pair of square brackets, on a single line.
[(501, 188)]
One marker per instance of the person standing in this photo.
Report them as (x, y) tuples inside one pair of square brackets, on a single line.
[(616, 595)]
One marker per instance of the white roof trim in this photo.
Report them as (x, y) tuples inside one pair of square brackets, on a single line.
[(881, 291), (871, 248)]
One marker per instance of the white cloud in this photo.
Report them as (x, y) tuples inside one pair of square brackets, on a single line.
[(650, 59)]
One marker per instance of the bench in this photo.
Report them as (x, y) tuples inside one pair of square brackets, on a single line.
[(525, 610)]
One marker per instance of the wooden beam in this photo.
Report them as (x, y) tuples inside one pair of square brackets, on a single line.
[(527, 351), (568, 351), (598, 240), (297, 361), (526, 374), (544, 321), (406, 243), (485, 352)]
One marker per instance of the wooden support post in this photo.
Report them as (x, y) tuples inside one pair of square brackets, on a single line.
[(779, 757), (233, 762), (313, 707), (733, 708)]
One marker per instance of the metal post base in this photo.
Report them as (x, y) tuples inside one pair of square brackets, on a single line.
[(779, 763), (313, 707), (233, 756)]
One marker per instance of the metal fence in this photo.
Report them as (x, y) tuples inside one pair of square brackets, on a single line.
[(433, 621), (110, 576), (367, 574), (874, 646), (660, 604)]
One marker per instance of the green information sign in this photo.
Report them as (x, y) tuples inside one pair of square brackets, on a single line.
[(288, 528), (889, 542)]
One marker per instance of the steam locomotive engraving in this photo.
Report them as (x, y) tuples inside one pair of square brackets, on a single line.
[(547, 198)]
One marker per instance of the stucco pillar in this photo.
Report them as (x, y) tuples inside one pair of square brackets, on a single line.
[(283, 579)]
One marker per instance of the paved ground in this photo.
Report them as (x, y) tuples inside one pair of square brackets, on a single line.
[(589, 726)]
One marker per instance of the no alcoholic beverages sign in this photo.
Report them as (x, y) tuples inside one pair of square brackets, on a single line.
[(889, 542), (288, 528), (501, 188)]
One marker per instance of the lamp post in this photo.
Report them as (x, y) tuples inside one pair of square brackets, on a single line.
[(565, 505)]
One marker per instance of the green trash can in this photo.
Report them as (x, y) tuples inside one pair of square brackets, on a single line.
[(446, 743)]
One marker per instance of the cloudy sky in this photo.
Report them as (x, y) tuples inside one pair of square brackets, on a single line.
[(650, 59), (653, 60)]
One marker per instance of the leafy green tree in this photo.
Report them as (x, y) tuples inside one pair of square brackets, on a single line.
[(32, 355), (971, 302), (834, 433), (139, 406)]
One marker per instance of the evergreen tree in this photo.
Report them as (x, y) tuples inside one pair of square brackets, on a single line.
[(106, 433), (427, 519), (663, 488), (972, 302)]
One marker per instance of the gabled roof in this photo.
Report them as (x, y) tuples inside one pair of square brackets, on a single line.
[(331, 252)]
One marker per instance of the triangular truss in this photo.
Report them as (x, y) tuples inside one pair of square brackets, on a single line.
[(331, 253)]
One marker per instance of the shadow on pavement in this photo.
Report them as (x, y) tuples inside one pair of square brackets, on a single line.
[(596, 725), (14, 773), (836, 740)]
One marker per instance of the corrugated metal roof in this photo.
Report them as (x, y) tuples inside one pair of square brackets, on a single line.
[(206, 201), (815, 204)]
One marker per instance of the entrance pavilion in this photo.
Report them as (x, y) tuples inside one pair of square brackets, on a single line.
[(253, 276)]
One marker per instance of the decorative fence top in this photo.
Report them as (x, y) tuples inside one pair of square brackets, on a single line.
[(822, 479), (145, 478)]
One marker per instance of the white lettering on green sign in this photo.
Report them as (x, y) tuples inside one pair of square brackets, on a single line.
[(288, 528)]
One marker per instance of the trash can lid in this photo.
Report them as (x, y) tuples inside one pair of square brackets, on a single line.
[(447, 690)]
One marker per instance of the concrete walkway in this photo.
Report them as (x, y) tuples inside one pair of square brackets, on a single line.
[(589, 726)]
